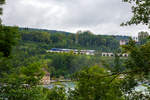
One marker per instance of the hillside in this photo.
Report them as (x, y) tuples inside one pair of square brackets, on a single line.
[(47, 39), (42, 30)]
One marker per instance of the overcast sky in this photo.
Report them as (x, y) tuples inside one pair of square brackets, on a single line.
[(98, 16)]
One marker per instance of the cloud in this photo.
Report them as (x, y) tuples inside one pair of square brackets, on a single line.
[(99, 16)]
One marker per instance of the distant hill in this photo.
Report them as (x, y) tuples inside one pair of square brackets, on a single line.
[(118, 37), (47, 39), (43, 30)]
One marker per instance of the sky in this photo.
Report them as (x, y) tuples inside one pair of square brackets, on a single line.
[(97, 16)]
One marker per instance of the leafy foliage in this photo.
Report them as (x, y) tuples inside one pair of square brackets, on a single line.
[(20, 76), (84, 40), (138, 60), (96, 85), (8, 39), (1, 9), (141, 12), (21, 83), (57, 94)]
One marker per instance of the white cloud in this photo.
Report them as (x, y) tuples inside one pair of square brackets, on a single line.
[(99, 16)]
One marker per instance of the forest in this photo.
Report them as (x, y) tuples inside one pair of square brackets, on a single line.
[(32, 46), (80, 40), (23, 57)]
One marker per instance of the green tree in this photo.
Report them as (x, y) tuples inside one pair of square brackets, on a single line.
[(8, 38), (137, 64), (57, 94), (1, 9), (94, 85), (141, 12), (138, 61), (143, 37), (22, 83)]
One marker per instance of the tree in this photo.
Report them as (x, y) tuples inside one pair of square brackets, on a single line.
[(93, 85), (8, 38), (1, 9), (138, 61), (22, 83), (57, 94), (141, 12), (143, 37)]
